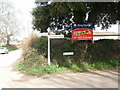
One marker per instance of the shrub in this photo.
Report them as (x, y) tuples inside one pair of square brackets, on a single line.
[(32, 58), (84, 51), (86, 55), (41, 45), (12, 47), (28, 42)]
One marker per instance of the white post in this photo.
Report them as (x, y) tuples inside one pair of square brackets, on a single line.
[(48, 46)]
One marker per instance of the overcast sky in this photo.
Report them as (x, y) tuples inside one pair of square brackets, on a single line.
[(23, 6), (23, 10)]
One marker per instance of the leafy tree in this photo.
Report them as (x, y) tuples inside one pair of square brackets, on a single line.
[(8, 22), (61, 15)]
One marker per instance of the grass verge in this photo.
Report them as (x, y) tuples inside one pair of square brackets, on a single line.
[(46, 69), (12, 49), (83, 66)]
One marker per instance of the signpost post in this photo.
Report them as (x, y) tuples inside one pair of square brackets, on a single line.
[(48, 46), (51, 36)]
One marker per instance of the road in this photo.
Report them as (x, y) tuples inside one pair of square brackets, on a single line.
[(6, 65), (6, 60), (10, 78)]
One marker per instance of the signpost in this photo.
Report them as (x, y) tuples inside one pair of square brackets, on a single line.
[(56, 36), (48, 46), (51, 36), (79, 32), (82, 31)]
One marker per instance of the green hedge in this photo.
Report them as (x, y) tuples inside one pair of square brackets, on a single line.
[(101, 54), (84, 51)]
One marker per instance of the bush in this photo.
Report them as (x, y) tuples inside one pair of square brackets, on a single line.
[(106, 64), (12, 47), (84, 51), (41, 45), (101, 54), (28, 42), (32, 57)]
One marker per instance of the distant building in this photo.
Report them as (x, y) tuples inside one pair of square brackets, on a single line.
[(105, 35)]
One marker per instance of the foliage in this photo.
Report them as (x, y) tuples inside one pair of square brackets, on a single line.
[(12, 48), (9, 27), (101, 54), (41, 45), (28, 42), (84, 51), (31, 56), (46, 69), (55, 68), (34, 59), (59, 14), (106, 64), (104, 49)]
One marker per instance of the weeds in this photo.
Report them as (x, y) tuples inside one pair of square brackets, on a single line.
[(46, 69), (55, 68)]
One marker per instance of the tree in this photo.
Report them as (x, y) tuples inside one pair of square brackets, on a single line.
[(61, 15), (9, 26)]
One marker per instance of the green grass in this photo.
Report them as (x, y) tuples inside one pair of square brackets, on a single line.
[(46, 69), (98, 65), (106, 64), (83, 66), (11, 49)]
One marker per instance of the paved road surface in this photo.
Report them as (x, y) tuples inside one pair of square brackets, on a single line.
[(6, 60), (91, 79)]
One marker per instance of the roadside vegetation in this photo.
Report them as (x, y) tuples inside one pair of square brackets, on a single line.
[(12, 47), (56, 68), (103, 54)]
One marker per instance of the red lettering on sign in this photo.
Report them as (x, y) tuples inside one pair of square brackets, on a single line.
[(82, 34)]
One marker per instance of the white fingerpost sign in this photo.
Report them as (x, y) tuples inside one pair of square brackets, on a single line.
[(51, 36), (56, 36)]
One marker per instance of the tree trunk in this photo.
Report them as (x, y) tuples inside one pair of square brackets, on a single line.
[(8, 40)]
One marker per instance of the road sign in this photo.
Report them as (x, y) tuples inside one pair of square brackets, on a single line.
[(51, 36), (56, 36), (68, 53)]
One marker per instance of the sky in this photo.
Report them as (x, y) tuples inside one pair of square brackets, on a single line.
[(23, 10), (23, 7)]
